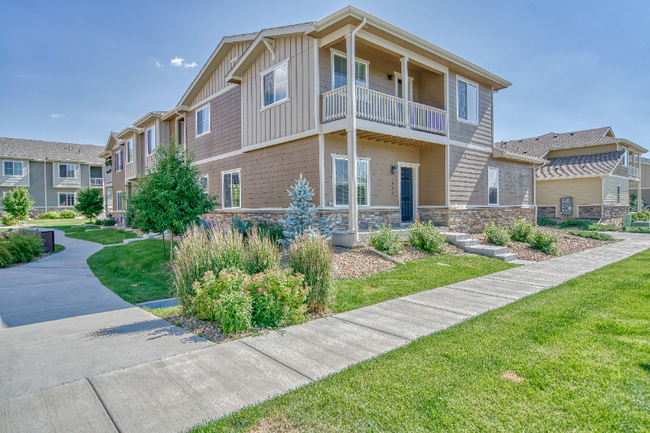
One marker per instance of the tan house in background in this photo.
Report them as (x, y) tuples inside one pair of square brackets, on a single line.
[(416, 120), (589, 174), (645, 181)]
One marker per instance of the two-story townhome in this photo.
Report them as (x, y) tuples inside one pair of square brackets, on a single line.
[(54, 172), (416, 120), (589, 174), (644, 183)]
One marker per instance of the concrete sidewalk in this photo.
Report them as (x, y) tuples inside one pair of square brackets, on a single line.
[(175, 393)]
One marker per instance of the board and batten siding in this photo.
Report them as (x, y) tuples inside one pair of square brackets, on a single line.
[(432, 176), (466, 132), (217, 80), (13, 181), (225, 127), (267, 174), (118, 179), (291, 117), (590, 150), (585, 191)]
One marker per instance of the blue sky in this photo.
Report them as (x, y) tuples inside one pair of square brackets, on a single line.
[(73, 71)]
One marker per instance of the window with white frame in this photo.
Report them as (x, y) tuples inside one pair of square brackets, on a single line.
[(66, 199), (231, 188), (13, 168), (340, 71), (66, 171), (275, 85), (618, 194), (467, 95), (151, 140), (625, 156), (119, 163), (203, 182), (341, 183), (120, 201), (203, 120), (129, 151), (493, 185)]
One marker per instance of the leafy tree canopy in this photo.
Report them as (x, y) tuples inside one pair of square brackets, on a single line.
[(18, 202), (90, 202)]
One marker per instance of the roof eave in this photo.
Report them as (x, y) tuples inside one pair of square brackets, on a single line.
[(504, 154), (152, 115)]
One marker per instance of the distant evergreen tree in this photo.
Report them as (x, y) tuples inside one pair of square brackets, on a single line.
[(301, 214)]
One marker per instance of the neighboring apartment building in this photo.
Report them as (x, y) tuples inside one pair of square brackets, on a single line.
[(271, 105), (54, 172), (644, 183), (593, 171)]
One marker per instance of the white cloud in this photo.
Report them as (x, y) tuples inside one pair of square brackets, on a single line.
[(57, 116), (181, 63)]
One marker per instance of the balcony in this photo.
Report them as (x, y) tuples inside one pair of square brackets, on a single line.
[(387, 109), (96, 182), (633, 171)]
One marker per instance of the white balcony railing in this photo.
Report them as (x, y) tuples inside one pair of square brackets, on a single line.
[(633, 171), (96, 181), (380, 107)]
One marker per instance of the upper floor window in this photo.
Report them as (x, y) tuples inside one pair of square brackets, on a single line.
[(119, 160), (203, 182), (340, 71), (467, 100), (203, 120), (13, 168), (493, 185), (625, 156), (341, 184), (129, 151), (231, 188), (151, 140), (66, 170), (275, 84)]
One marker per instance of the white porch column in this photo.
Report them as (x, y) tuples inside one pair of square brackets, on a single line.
[(639, 191), (353, 222), (405, 91)]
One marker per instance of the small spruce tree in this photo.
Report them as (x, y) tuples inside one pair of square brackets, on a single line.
[(301, 214), (18, 202), (90, 202)]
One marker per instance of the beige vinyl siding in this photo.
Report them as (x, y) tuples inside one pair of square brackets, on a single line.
[(225, 127), (217, 80), (384, 186), (118, 178), (620, 169), (290, 117), (590, 150), (610, 184), (585, 191), (267, 174), (131, 169), (432, 89), (13, 181), (432, 176), (465, 132)]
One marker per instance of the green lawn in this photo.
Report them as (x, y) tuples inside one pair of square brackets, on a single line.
[(136, 272), (572, 358), (412, 277), (56, 224), (79, 229), (104, 237)]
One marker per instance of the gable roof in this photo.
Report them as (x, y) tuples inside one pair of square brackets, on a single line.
[(540, 146), (37, 150), (581, 165)]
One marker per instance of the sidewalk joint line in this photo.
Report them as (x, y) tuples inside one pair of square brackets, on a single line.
[(279, 362), (435, 308), (103, 405), (510, 298), (489, 277), (374, 329)]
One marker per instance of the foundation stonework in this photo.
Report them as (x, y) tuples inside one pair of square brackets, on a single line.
[(475, 220), (590, 212), (616, 211), (547, 211)]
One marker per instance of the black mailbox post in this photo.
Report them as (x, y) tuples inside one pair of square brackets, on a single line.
[(48, 238)]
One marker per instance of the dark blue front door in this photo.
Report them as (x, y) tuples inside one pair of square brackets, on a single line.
[(406, 195)]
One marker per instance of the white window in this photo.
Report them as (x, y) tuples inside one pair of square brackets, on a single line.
[(66, 199), (66, 171), (625, 153), (119, 160), (129, 151), (231, 188), (13, 168), (467, 93), (119, 201), (341, 197), (275, 85), (493, 185), (203, 182), (340, 71), (618, 194), (151, 140), (203, 120)]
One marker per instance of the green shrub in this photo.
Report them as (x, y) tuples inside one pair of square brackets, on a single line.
[(68, 214), (637, 229), (497, 235), (279, 298), (90, 202), (425, 237), (6, 259), (9, 220), (108, 222), (24, 245), (546, 243), (275, 232), (591, 235), (210, 288), (235, 312), (386, 240), (129, 217), (520, 230), (643, 215), (311, 256), (574, 222), (52, 215), (240, 226), (18, 202), (603, 228), (261, 253), (545, 221)]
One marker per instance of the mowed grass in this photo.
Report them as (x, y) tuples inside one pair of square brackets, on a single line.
[(413, 277), (136, 272), (572, 358), (56, 223), (104, 237)]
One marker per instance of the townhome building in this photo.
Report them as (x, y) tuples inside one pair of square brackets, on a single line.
[(409, 137), (644, 182), (54, 172), (589, 174)]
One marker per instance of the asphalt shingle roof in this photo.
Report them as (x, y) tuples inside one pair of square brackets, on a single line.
[(581, 165), (540, 146), (52, 150)]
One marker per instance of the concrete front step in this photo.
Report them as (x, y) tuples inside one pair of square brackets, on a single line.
[(464, 241), (467, 243), (454, 237), (507, 257), (486, 250)]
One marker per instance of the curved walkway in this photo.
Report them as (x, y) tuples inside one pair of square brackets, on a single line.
[(177, 392)]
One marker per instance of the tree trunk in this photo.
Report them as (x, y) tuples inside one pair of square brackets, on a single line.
[(171, 247), (164, 252)]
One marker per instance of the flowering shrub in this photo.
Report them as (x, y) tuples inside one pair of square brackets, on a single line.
[(279, 298), (52, 215), (235, 312), (67, 213)]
